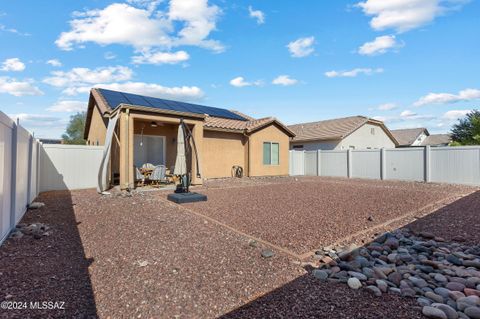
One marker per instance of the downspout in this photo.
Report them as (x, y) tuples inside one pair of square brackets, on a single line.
[(127, 151), (248, 153)]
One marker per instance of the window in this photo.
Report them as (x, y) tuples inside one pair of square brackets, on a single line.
[(297, 146), (270, 153), (372, 131)]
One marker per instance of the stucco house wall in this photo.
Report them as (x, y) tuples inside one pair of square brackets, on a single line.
[(271, 133), (367, 136), (420, 139), (221, 151)]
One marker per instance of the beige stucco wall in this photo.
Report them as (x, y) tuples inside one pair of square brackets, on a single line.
[(97, 129), (221, 151), (271, 133), (363, 138)]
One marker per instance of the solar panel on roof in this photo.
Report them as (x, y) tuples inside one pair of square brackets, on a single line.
[(115, 98)]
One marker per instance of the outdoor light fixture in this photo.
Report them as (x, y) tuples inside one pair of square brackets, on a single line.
[(153, 124)]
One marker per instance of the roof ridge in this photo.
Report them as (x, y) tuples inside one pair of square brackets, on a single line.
[(333, 119)]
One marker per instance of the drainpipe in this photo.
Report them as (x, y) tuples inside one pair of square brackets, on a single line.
[(127, 151), (248, 154)]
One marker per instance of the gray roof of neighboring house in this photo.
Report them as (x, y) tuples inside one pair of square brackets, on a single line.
[(406, 137), (334, 129), (437, 139)]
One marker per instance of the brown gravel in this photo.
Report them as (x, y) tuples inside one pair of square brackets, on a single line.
[(458, 219), (303, 214), (116, 257)]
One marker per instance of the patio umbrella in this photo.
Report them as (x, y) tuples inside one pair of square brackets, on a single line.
[(181, 161)]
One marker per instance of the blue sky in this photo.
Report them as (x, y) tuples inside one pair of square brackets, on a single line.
[(408, 62)]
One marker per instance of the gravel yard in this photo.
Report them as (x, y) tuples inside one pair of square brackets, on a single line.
[(303, 214), (124, 256)]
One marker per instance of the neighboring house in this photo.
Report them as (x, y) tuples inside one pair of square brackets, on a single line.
[(438, 140), (410, 137), (50, 140), (355, 132), (147, 130), (420, 136)]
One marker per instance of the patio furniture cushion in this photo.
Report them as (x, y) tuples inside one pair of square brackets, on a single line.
[(158, 173)]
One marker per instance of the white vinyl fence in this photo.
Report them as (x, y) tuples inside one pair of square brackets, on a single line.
[(455, 165), (27, 168), (19, 158)]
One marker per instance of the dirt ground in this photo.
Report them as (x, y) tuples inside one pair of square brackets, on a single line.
[(142, 256), (304, 214)]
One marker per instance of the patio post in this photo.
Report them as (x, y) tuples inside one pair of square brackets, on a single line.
[(197, 133)]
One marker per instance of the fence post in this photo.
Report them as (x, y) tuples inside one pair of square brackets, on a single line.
[(303, 163), (29, 174), (13, 181), (383, 169), (427, 164), (319, 163), (349, 163)]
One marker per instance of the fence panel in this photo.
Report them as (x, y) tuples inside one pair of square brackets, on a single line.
[(297, 166), (334, 163), (366, 164), (34, 171), (22, 176), (458, 165), (405, 164), (311, 163), (65, 167), (6, 134)]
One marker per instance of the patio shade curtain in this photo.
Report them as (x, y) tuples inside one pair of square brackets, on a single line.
[(102, 172), (181, 160)]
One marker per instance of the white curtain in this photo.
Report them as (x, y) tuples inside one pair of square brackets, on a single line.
[(102, 172)]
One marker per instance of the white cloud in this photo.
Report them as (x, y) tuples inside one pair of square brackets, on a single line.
[(454, 115), (404, 15), (82, 76), (240, 82), (179, 93), (284, 80), (68, 106), (149, 57), (301, 47), (4, 28), (448, 98), (387, 107), (353, 73), (12, 64), (18, 88), (54, 62), (184, 22), (257, 14), (405, 116), (380, 45)]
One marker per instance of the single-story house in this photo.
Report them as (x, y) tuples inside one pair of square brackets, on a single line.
[(146, 132), (410, 137), (355, 132), (417, 137), (438, 140)]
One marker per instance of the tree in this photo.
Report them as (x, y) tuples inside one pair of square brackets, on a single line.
[(467, 130), (74, 132)]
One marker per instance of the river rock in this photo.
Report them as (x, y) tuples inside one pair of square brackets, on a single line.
[(354, 283), (434, 313)]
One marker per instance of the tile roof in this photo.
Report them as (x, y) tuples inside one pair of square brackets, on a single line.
[(437, 139), (406, 137), (245, 126), (333, 129)]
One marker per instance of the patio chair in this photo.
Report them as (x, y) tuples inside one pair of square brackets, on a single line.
[(139, 178), (158, 174)]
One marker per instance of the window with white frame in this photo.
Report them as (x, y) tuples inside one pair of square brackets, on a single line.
[(271, 152)]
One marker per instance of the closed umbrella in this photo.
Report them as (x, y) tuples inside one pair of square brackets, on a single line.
[(181, 161)]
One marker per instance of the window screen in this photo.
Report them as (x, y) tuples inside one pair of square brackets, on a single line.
[(275, 154)]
